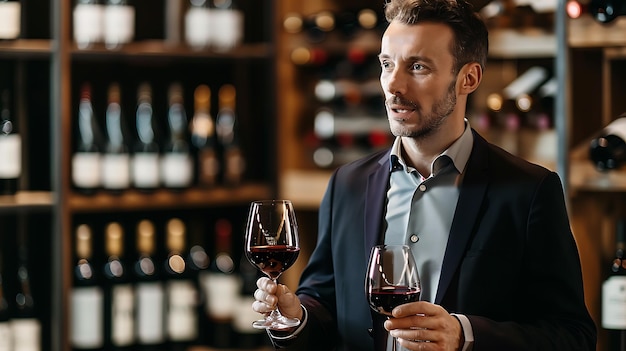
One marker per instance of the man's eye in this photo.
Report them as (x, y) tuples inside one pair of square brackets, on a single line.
[(417, 67)]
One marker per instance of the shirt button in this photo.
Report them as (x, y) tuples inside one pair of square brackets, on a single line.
[(414, 238), (422, 187)]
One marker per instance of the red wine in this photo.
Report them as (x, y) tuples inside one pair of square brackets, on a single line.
[(273, 260), (385, 299)]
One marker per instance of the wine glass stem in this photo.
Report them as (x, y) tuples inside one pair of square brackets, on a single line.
[(393, 343)]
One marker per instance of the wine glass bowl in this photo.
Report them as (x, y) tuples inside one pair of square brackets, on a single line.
[(272, 245)]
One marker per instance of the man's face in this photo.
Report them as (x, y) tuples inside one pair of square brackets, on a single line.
[(417, 77)]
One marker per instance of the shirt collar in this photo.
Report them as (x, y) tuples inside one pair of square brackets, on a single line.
[(458, 152)]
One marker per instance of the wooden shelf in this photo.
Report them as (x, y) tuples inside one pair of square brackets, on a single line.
[(162, 199), (25, 48), (532, 43), (26, 200), (304, 188), (585, 32)]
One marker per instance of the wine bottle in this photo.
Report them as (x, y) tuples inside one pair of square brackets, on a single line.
[(116, 159), (6, 339), (606, 11), (118, 23), (198, 24), (176, 161), (87, 159), (203, 138), (199, 261), (87, 23), (145, 164), (228, 137), (227, 20), (608, 150), (222, 287), (119, 295), (181, 291), (150, 295), (10, 19), (86, 296), (10, 148), (25, 324), (614, 293), (247, 336)]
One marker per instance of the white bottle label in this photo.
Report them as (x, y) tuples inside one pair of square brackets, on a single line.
[(87, 317), (26, 334), (119, 25), (116, 171), (122, 318), (617, 127), (198, 28), (6, 339), (11, 151), (86, 170), (229, 23), (182, 315), (10, 19), (150, 313), (177, 169), (145, 170), (614, 303), (87, 24), (222, 292)]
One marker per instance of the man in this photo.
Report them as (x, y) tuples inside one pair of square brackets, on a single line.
[(499, 266)]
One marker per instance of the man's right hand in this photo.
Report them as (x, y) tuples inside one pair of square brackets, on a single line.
[(269, 295)]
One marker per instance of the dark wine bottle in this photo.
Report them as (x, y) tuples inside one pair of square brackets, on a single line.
[(246, 335), (150, 295), (5, 314), (176, 160), (614, 293), (10, 148), (116, 158), (608, 150), (228, 136), (119, 296), (86, 297), (87, 158), (118, 23), (181, 291), (222, 287), (87, 19), (203, 138), (605, 11), (10, 19), (145, 165), (25, 322)]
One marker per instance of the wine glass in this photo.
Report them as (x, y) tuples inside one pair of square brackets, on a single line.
[(392, 279), (271, 244)]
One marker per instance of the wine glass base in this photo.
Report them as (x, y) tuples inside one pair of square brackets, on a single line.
[(280, 323)]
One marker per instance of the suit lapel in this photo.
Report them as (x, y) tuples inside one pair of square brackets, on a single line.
[(472, 191), (375, 203)]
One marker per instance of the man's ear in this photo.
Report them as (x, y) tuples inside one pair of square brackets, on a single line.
[(470, 77)]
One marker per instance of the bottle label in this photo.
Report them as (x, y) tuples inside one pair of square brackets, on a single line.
[(87, 317), (122, 309), (5, 337), (11, 151), (614, 303), (198, 29), (119, 25), (209, 167), (235, 166), (230, 26), (10, 19), (86, 170), (116, 171), (182, 315), (26, 334), (145, 170), (150, 300), (222, 292), (87, 24), (176, 170), (617, 127)]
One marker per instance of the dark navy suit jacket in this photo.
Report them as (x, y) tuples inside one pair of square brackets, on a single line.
[(511, 264)]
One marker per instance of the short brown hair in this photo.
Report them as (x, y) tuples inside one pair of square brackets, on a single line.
[(471, 42)]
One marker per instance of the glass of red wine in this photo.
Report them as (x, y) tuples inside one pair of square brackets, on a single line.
[(392, 279), (272, 245)]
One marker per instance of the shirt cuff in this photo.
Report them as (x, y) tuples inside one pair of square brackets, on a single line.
[(293, 334), (468, 332)]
